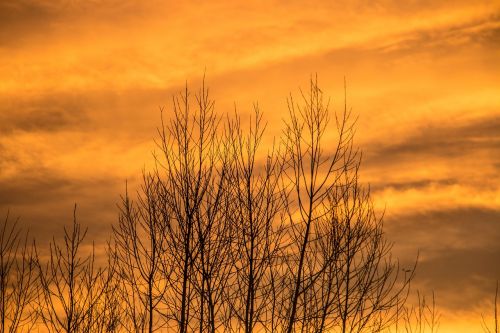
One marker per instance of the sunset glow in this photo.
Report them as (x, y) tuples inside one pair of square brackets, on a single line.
[(82, 82)]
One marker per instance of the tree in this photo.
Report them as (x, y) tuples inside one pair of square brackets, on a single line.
[(486, 328), (72, 287), (192, 173), (258, 199), (18, 275), (339, 266), (140, 253), (313, 174), (107, 314), (421, 318), (224, 238)]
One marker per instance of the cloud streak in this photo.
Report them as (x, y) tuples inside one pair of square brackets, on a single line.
[(458, 252), (443, 141)]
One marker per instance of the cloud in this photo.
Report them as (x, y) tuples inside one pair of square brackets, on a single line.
[(459, 252), (411, 184), (484, 31), (34, 187), (23, 20), (463, 227), (33, 118), (111, 111), (463, 278), (441, 141), (44, 200), (19, 19)]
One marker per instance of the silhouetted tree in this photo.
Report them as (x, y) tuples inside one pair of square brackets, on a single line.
[(192, 173), (72, 287), (108, 314), (258, 199), (223, 238), (18, 275), (486, 327), (420, 318), (313, 173), (141, 255), (339, 266)]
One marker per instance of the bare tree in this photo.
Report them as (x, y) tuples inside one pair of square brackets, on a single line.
[(107, 314), (257, 219), (369, 283), (313, 173), (486, 327), (342, 275), (224, 240), (224, 237), (212, 267), (192, 173), (419, 318), (71, 285), (140, 253), (18, 288)]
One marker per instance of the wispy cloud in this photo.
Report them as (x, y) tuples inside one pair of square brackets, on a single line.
[(458, 252), (41, 115), (447, 140)]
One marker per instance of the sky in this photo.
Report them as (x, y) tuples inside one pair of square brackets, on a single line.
[(81, 84)]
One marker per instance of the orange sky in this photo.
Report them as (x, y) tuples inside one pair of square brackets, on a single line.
[(81, 83)]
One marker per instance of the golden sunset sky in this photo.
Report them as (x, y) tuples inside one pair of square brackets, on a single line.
[(81, 83)]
